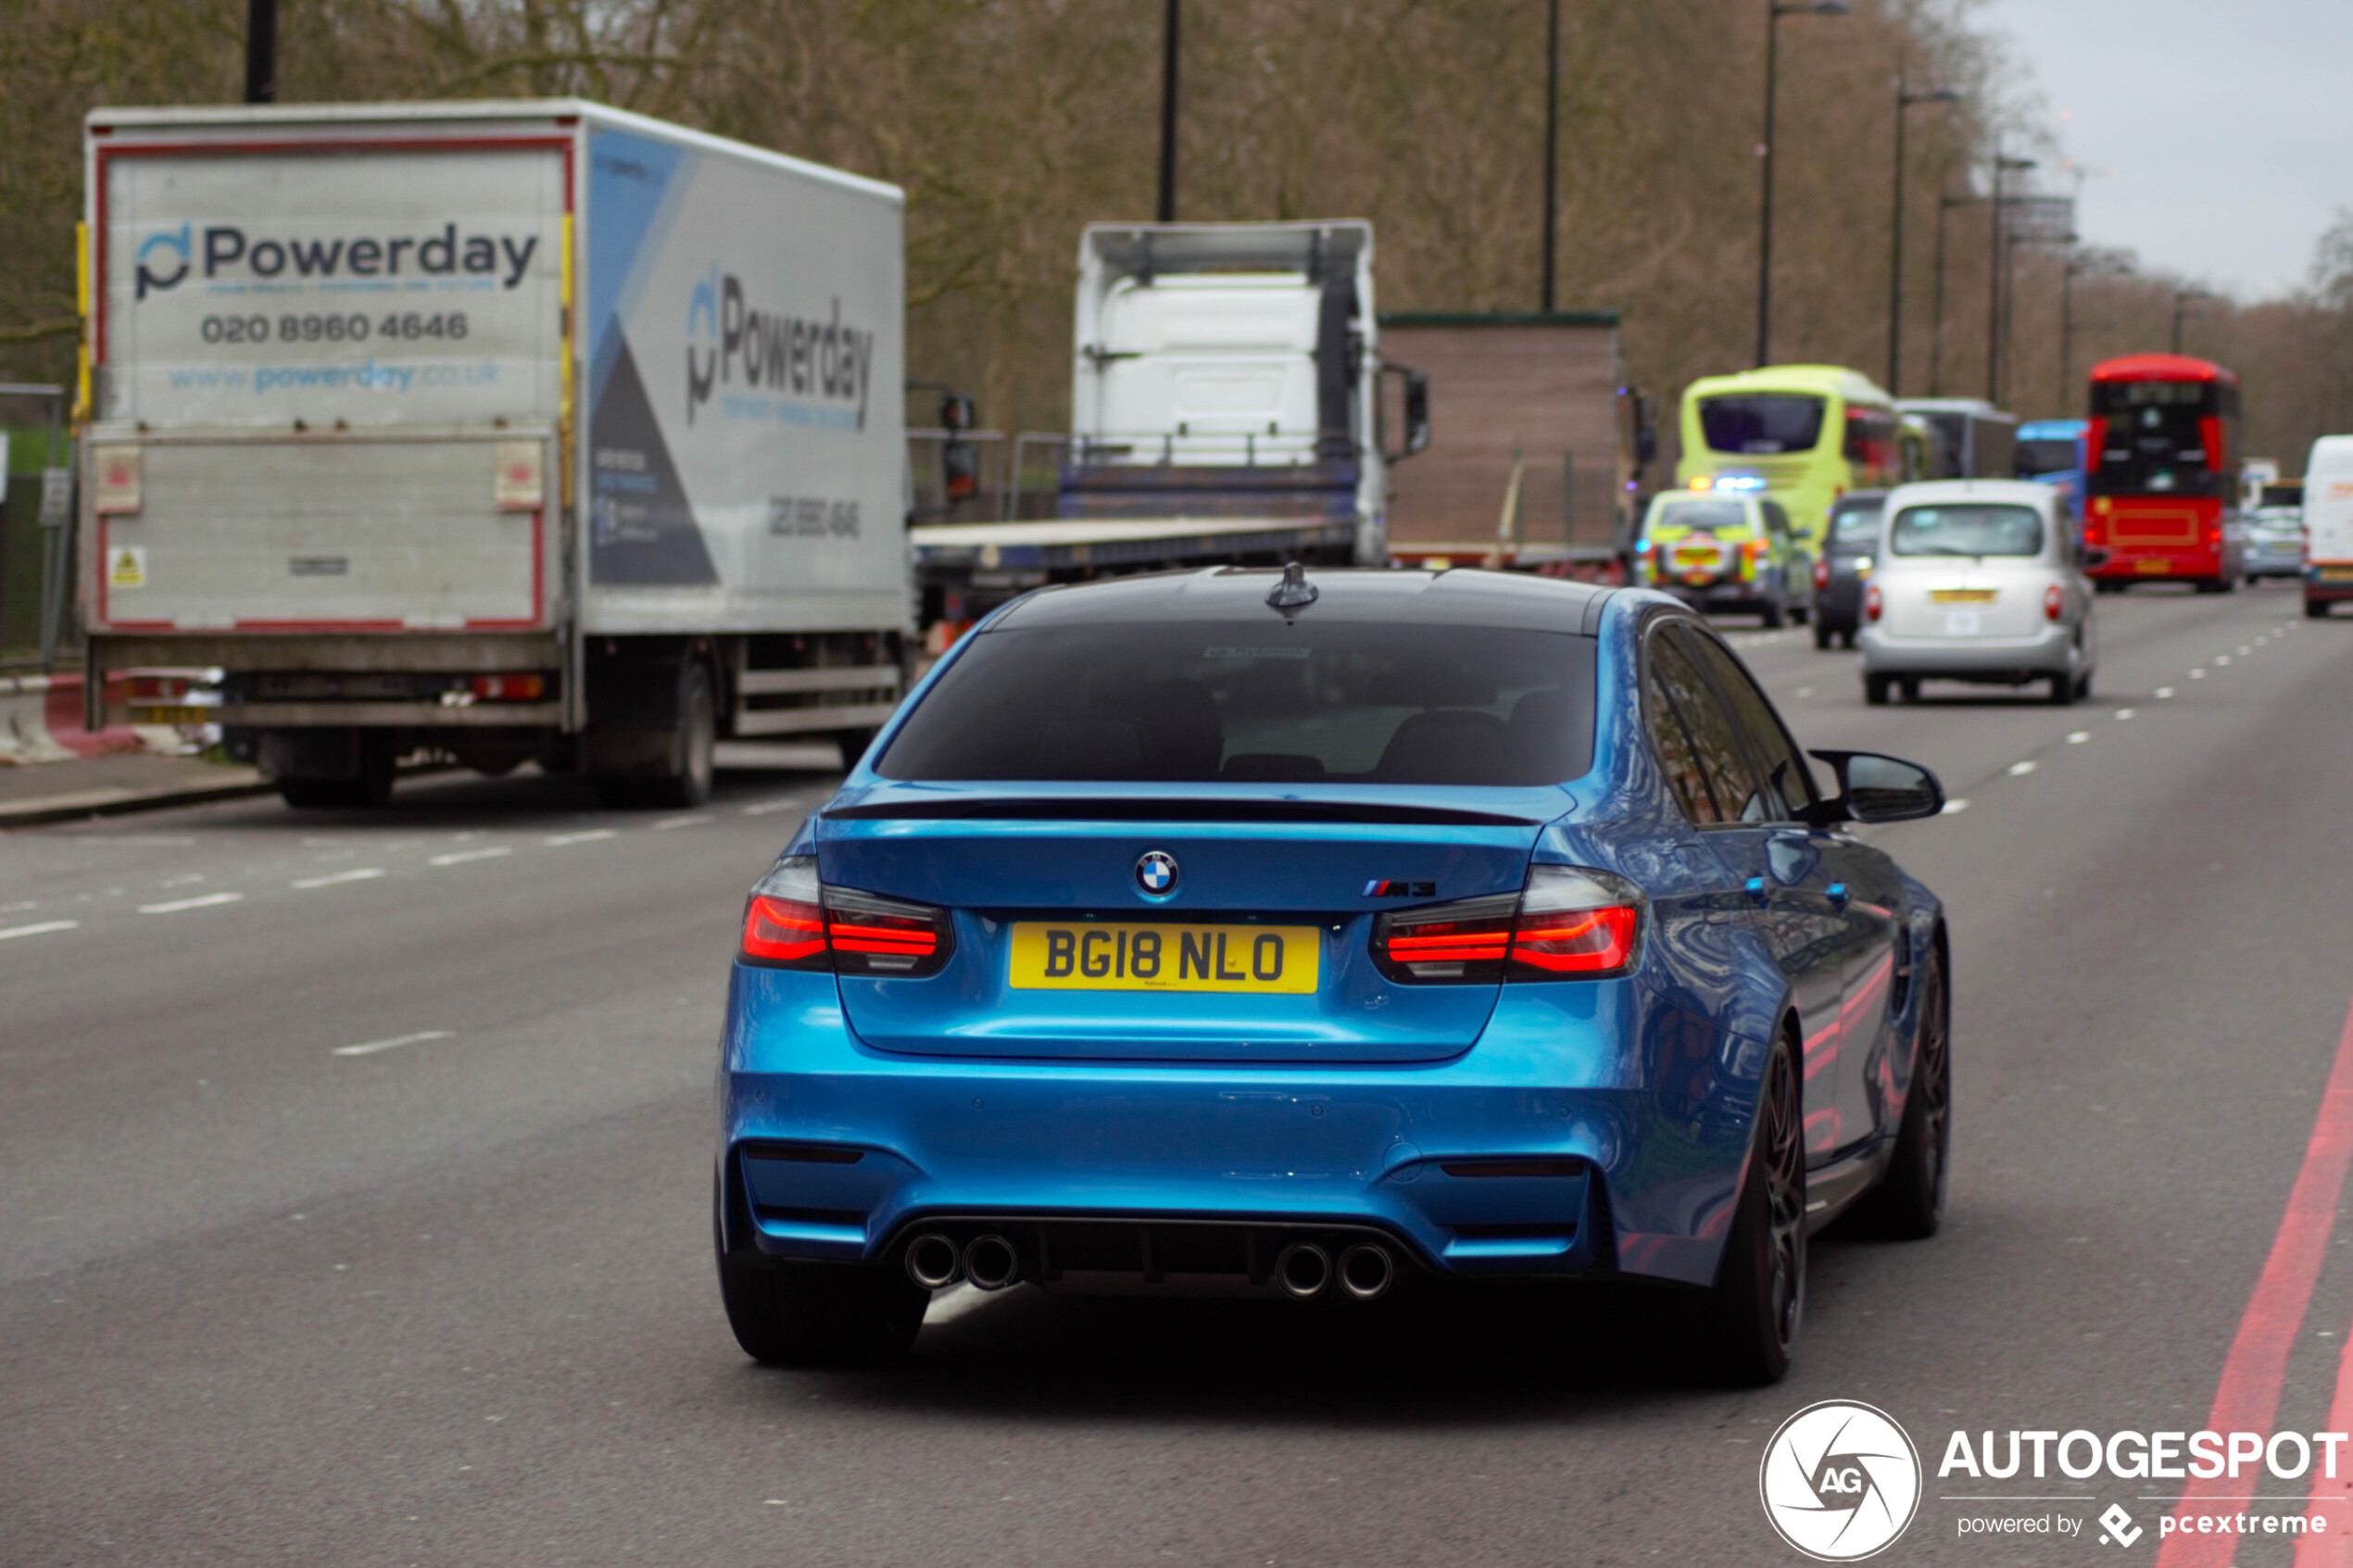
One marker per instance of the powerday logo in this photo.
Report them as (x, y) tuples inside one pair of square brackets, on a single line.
[(1840, 1481)]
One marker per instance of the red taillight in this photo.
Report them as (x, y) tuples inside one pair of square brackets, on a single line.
[(1871, 602), (1821, 574), (2053, 602), (1568, 923), (509, 688), (793, 921)]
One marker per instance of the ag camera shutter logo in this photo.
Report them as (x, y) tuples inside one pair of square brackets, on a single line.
[(1840, 1481)]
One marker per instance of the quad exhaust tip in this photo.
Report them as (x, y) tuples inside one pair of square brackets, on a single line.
[(1303, 1269), (1366, 1271), (931, 1260), (991, 1263)]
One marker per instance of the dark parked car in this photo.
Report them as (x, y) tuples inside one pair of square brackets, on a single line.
[(1846, 565)]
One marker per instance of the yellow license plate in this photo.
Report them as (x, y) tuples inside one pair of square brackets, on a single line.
[(1961, 595), (2336, 574), (1096, 956), (2148, 568), (147, 713)]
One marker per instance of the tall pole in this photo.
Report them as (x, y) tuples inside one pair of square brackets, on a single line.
[(1993, 285), (1552, 140), (261, 51), (1895, 255), (2067, 327), (1765, 230), (1944, 204), (1168, 113)]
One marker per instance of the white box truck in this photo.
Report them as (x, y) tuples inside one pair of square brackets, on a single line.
[(2328, 524), (1227, 403), (507, 430)]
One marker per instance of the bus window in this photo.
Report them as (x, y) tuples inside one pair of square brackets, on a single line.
[(2156, 438), (1760, 424)]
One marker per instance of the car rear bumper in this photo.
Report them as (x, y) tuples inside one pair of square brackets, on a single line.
[(2048, 652), (1541, 1151)]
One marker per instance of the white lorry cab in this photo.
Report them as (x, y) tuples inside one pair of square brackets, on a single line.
[(2328, 524), (505, 431)]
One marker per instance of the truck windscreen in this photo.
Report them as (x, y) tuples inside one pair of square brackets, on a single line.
[(1244, 702), (1761, 423)]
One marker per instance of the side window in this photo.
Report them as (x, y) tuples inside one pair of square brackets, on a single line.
[(1727, 789), (1789, 786)]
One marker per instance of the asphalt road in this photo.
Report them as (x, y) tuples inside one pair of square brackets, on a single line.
[(354, 1196)]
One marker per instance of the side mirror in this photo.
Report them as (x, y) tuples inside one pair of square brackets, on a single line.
[(1872, 788), (1417, 411)]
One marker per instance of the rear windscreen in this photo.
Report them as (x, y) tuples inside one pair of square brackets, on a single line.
[(1854, 525), (1702, 516), (1249, 702), (1762, 422), (2045, 457), (1970, 528)]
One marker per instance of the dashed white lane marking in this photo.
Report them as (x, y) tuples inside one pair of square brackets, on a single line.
[(1955, 807), (2079, 737), (2198, 674), (2220, 659), (764, 806), (556, 840), (2027, 767), (373, 1047), (2164, 690), (953, 1303), (358, 873), (188, 881), (20, 907), (459, 856), (1806, 691), (41, 928), (2123, 713), (668, 822), (132, 841), (2243, 649), (206, 902)]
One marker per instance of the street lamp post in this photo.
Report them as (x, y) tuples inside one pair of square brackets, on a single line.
[(2093, 263), (1904, 99), (2002, 164), (1552, 140), (1168, 114), (1774, 11), (2183, 299)]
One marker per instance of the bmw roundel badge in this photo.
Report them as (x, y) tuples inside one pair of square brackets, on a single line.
[(1156, 873)]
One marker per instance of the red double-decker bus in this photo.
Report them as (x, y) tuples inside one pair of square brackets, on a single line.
[(2164, 449)]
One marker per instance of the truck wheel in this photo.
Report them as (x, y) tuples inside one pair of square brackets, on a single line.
[(370, 787), (1773, 614), (685, 778), (1821, 636), (1749, 1319)]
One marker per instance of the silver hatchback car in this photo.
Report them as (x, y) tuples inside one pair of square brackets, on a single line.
[(1978, 580)]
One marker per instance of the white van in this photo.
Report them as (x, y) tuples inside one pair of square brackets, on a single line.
[(2328, 524)]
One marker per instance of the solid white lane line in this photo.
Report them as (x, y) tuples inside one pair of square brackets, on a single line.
[(1954, 807), (358, 873), (556, 840), (373, 1047), (139, 841), (207, 902), (764, 806), (668, 822), (2079, 737), (2019, 767), (46, 925), (459, 856)]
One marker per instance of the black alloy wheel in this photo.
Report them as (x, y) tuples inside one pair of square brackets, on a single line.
[(1752, 1316), (1909, 1204)]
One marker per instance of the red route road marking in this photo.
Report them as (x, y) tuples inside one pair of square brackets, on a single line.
[(2255, 1370)]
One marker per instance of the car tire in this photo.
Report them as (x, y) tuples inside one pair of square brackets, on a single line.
[(1908, 1202), (818, 1314), (1846, 640), (1751, 1317), (1772, 615), (2062, 690), (2316, 610), (2083, 687), (1875, 690), (1821, 637), (1910, 686)]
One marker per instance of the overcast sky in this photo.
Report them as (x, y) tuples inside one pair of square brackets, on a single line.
[(2226, 123)]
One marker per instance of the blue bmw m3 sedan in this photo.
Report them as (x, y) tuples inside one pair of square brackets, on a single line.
[(1312, 935)]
